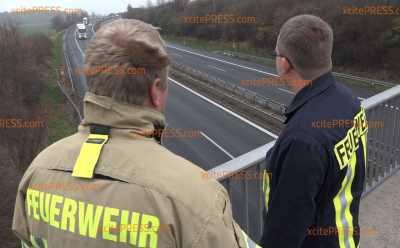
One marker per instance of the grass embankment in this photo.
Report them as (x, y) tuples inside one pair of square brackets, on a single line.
[(60, 123)]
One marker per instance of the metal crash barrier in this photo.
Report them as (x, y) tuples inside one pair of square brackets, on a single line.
[(242, 176)]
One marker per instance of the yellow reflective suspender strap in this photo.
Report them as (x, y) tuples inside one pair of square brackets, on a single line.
[(90, 152), (249, 242)]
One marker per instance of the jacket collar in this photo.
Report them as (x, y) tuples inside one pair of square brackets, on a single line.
[(135, 119), (316, 87)]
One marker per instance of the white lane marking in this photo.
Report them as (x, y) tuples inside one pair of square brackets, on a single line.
[(287, 91), (225, 109), (223, 61), (230, 63), (218, 146), (217, 68), (79, 47)]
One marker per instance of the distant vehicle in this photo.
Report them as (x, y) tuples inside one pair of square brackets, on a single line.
[(81, 31), (85, 20)]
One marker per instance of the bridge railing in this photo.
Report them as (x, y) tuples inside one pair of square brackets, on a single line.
[(383, 114), (242, 176)]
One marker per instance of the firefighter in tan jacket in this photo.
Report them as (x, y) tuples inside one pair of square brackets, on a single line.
[(112, 184)]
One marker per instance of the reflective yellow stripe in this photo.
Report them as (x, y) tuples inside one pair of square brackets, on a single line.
[(342, 202), (249, 242), (364, 143), (89, 155), (24, 245), (346, 155), (266, 188), (38, 242)]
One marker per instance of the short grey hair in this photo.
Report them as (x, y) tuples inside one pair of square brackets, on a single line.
[(124, 45), (307, 42)]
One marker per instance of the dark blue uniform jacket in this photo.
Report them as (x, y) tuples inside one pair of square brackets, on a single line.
[(316, 170)]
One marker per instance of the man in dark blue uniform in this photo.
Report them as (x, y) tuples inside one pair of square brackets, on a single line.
[(316, 170)]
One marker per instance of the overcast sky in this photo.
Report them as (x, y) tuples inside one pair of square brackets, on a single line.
[(98, 6)]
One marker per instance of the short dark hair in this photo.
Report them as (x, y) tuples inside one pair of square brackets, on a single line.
[(307, 42)]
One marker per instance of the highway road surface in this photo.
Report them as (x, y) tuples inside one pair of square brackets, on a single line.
[(234, 71), (223, 135)]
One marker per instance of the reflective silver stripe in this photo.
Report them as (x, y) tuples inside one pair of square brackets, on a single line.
[(250, 243), (343, 201), (38, 242), (24, 245)]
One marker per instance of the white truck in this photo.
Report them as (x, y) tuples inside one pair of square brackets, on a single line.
[(81, 31), (85, 21)]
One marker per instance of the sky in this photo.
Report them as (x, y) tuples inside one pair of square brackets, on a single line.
[(97, 6)]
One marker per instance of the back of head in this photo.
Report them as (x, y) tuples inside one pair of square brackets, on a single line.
[(124, 59), (307, 42)]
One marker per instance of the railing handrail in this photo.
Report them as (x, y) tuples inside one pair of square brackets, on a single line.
[(242, 162), (258, 155), (380, 97)]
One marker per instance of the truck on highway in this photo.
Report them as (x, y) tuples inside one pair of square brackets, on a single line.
[(81, 31), (85, 21)]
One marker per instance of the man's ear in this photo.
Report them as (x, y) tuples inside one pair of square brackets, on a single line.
[(155, 93), (284, 65)]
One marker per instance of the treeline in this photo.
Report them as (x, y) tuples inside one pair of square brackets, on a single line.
[(24, 65), (363, 42), (61, 21)]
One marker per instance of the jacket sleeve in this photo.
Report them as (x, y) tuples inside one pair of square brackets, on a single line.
[(300, 167), (218, 235), (222, 231), (20, 224)]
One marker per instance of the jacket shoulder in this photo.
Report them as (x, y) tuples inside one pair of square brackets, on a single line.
[(144, 163)]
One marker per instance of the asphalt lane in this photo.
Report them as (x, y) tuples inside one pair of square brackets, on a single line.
[(185, 110), (221, 135), (233, 70), (232, 73)]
